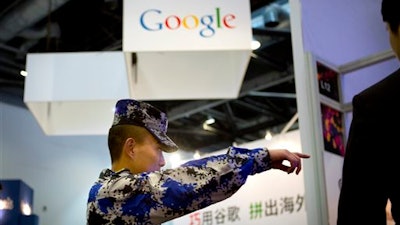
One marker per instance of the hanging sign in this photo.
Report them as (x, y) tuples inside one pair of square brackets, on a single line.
[(176, 25)]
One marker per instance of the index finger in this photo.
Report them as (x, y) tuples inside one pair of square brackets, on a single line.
[(302, 155)]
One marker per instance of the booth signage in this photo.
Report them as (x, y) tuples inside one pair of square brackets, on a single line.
[(159, 25), (206, 25)]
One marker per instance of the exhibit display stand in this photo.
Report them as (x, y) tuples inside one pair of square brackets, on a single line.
[(16, 203), (169, 53)]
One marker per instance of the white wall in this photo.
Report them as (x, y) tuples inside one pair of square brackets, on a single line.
[(59, 169)]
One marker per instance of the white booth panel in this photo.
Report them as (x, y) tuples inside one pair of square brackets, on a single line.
[(189, 75), (74, 93)]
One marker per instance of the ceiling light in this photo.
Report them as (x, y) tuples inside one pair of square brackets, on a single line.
[(255, 44), (268, 135), (23, 73), (196, 155), (210, 121)]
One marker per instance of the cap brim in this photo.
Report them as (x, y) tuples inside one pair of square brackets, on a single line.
[(168, 144)]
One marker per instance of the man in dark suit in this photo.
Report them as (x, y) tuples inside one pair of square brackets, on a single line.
[(370, 171)]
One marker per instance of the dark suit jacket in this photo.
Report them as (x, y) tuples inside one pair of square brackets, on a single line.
[(371, 169)]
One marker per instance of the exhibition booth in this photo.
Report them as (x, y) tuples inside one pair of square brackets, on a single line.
[(16, 203), (205, 46), (334, 58)]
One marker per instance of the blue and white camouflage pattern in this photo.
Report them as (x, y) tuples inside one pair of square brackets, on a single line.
[(153, 198)]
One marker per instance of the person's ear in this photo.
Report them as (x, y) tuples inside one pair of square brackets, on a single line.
[(129, 147)]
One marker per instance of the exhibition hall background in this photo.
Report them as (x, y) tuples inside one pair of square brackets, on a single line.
[(349, 37)]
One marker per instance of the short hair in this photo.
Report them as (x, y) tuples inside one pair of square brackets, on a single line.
[(390, 11), (117, 136)]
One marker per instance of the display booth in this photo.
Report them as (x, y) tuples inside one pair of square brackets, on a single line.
[(171, 50), (16, 203), (339, 49)]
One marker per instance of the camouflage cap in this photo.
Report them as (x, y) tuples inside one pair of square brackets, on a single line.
[(132, 112)]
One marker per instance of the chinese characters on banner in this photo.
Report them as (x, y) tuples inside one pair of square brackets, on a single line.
[(255, 211)]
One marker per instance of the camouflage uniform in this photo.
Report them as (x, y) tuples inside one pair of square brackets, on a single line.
[(156, 197)]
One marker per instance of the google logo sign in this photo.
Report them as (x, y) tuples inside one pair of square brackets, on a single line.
[(154, 20)]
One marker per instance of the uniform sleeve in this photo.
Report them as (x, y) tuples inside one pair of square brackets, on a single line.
[(165, 195)]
